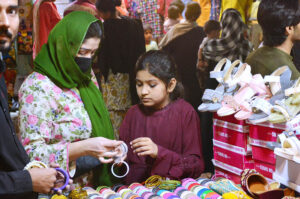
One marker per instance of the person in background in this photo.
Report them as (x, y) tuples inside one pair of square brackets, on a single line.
[(173, 18), (122, 10), (120, 48), (255, 29), (45, 17), (150, 43), (15, 182), (242, 6), (205, 11), (62, 114), (212, 30), (83, 5), (163, 130), (280, 23), (231, 45), (183, 42), (180, 5)]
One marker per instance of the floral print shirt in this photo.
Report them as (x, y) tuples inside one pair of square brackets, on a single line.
[(50, 119)]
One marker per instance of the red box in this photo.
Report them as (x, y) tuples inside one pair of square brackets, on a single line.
[(266, 131), (227, 171), (233, 134), (263, 154), (232, 155), (265, 169), (230, 119), (228, 175)]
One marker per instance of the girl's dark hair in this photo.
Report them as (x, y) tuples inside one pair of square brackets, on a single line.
[(161, 65), (94, 30), (107, 5)]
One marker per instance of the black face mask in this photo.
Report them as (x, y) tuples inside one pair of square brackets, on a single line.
[(83, 63)]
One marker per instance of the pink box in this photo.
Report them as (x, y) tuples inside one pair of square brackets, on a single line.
[(232, 155), (228, 175), (230, 119), (265, 169), (230, 133)]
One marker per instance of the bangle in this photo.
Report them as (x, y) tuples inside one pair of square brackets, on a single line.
[(153, 181), (35, 164), (120, 176)]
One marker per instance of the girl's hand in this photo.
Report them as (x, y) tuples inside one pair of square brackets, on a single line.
[(144, 146)]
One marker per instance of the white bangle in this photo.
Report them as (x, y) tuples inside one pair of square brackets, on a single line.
[(120, 176)]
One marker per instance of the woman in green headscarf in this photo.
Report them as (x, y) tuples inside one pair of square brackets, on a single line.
[(61, 107)]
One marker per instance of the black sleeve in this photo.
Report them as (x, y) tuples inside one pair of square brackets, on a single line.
[(15, 182)]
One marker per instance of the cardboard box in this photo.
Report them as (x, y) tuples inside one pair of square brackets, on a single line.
[(227, 171), (265, 169), (261, 152), (233, 134), (266, 131), (230, 119), (232, 155)]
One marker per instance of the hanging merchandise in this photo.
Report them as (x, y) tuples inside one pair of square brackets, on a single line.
[(150, 12), (24, 40)]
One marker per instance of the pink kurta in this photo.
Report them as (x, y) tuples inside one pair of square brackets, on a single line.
[(176, 131)]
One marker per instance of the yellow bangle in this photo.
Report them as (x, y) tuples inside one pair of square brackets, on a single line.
[(153, 181)]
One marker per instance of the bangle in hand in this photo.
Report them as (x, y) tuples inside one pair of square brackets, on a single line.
[(120, 176)]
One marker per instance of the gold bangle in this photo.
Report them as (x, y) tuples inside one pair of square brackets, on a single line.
[(153, 181), (35, 164)]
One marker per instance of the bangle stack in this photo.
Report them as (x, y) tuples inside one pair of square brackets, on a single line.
[(35, 164)]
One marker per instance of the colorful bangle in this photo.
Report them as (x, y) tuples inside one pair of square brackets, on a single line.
[(193, 185), (174, 197), (206, 192), (153, 181), (146, 195), (98, 189), (169, 184), (133, 185), (124, 191), (178, 189), (200, 193), (187, 194), (127, 195)]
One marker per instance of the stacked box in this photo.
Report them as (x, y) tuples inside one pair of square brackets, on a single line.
[(262, 137), (232, 152)]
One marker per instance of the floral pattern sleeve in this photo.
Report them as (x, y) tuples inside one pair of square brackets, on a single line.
[(50, 119)]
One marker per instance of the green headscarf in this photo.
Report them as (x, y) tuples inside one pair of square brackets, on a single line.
[(56, 61)]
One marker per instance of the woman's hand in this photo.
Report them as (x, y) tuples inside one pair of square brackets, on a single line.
[(144, 146), (60, 180), (43, 179), (102, 148)]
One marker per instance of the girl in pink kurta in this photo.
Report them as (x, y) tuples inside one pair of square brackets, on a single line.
[(163, 131)]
